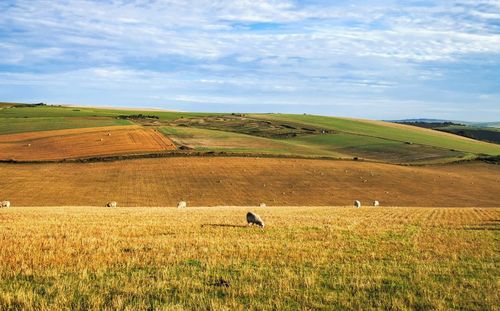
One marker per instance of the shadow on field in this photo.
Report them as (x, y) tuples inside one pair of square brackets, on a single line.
[(490, 225), (483, 228), (224, 225)]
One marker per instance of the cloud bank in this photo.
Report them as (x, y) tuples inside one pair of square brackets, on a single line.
[(376, 59)]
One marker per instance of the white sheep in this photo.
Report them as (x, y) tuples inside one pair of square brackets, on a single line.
[(262, 205), (254, 219), (182, 204), (5, 204), (357, 204), (111, 204), (376, 203)]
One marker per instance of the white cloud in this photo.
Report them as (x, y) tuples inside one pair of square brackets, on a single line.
[(246, 48), (202, 29)]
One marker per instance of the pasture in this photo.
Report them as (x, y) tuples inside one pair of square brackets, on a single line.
[(207, 258), (202, 139), (391, 131), (26, 125), (82, 112)]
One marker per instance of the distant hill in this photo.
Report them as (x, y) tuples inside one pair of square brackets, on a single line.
[(488, 124), (482, 133), (423, 120), (495, 124)]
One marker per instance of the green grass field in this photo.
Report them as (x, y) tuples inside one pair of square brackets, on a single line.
[(387, 131), (344, 138), (57, 111), (379, 149), (21, 125), (339, 145), (206, 140), (43, 118)]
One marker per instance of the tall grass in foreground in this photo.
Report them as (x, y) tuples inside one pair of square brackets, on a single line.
[(205, 258)]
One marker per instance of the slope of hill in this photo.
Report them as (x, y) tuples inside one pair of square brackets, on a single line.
[(487, 134), (259, 134), (391, 131), (482, 133)]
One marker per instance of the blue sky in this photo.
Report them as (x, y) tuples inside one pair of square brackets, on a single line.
[(377, 59)]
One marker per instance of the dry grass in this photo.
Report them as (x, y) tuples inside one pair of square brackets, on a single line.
[(205, 258), (85, 142), (248, 181)]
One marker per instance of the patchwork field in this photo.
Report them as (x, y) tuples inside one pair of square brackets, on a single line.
[(432, 245), (205, 181), (207, 259), (82, 142), (213, 140), (258, 134)]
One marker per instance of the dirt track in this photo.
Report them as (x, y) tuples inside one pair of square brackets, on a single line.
[(248, 181)]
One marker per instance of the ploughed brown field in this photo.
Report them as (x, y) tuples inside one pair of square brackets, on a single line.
[(83, 142), (203, 181)]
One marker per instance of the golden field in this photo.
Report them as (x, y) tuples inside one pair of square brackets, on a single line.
[(82, 142), (207, 258), (221, 181)]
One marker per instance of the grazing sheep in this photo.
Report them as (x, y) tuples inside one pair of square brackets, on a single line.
[(262, 205), (182, 204), (111, 204), (357, 204), (5, 204), (376, 203), (254, 219)]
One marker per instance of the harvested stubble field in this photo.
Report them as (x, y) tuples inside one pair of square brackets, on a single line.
[(205, 181), (82, 142), (206, 258)]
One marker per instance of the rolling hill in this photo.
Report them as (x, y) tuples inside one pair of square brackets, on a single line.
[(155, 158), (246, 134)]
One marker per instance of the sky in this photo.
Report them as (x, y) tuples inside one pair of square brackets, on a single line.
[(377, 59)]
